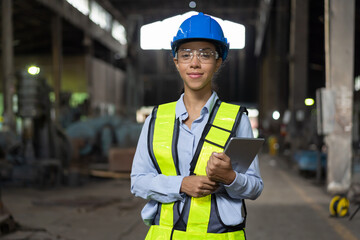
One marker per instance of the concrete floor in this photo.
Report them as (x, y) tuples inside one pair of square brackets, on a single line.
[(290, 207)]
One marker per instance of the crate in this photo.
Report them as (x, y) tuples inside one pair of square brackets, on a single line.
[(120, 159)]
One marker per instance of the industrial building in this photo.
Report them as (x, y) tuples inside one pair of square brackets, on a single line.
[(79, 77)]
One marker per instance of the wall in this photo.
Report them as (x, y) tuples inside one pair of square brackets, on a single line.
[(107, 88)]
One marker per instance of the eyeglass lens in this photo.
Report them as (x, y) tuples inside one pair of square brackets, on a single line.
[(203, 55)]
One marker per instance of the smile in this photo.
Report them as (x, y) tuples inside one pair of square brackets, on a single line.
[(195, 75)]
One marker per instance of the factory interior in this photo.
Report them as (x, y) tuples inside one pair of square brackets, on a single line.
[(79, 78)]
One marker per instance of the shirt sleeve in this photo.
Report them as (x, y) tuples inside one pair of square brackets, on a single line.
[(146, 182), (250, 184)]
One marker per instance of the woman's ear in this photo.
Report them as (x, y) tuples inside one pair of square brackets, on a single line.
[(176, 63), (218, 64)]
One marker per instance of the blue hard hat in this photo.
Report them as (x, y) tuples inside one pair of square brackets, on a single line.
[(201, 27)]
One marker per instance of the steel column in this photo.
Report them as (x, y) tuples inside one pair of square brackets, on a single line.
[(298, 70), (339, 52), (8, 63), (57, 60)]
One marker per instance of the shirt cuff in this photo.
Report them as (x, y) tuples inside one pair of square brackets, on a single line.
[(238, 182), (176, 185)]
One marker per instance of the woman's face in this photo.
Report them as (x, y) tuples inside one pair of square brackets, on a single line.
[(197, 72)]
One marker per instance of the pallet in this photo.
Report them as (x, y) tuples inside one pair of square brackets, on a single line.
[(110, 174)]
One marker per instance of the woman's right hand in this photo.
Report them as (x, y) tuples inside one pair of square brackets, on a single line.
[(198, 186)]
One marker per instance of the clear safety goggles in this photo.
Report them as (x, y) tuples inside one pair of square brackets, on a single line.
[(203, 55)]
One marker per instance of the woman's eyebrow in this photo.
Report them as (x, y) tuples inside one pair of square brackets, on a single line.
[(186, 49)]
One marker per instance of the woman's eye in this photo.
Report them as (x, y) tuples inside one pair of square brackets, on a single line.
[(205, 55), (185, 55)]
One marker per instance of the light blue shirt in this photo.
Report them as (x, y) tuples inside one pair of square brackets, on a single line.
[(148, 184)]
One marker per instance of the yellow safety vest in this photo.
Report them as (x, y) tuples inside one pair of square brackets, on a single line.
[(162, 145)]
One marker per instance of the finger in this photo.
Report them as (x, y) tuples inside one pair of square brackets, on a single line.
[(207, 184), (208, 181), (209, 188), (211, 159), (205, 193), (218, 155), (213, 183), (221, 156)]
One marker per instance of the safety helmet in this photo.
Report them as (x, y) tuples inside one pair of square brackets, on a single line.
[(201, 27)]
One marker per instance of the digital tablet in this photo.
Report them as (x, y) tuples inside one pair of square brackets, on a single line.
[(242, 151)]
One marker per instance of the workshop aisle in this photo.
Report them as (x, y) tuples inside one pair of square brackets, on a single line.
[(291, 207), (98, 210), (295, 208)]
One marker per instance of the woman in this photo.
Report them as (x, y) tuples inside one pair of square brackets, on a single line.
[(179, 165)]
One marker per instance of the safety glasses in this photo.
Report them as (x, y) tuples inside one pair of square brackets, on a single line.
[(204, 55)]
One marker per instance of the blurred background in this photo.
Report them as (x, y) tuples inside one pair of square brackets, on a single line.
[(79, 77)]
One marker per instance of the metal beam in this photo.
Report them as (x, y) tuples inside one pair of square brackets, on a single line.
[(106, 4), (83, 22)]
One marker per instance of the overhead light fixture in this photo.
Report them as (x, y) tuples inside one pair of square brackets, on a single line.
[(192, 4), (357, 83), (33, 70), (309, 101), (276, 115)]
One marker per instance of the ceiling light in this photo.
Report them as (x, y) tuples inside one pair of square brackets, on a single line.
[(192, 4), (276, 115), (33, 70), (309, 102)]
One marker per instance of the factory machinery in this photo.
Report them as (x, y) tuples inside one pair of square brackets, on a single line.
[(44, 152), (39, 153)]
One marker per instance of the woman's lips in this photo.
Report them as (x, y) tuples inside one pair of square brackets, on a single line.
[(194, 75)]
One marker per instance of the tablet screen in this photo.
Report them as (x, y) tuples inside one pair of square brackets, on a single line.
[(242, 151)]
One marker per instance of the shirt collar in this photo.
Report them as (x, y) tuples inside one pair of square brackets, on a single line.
[(181, 109)]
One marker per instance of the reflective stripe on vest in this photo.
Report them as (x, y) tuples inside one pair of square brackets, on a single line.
[(199, 214), (162, 146), (215, 139)]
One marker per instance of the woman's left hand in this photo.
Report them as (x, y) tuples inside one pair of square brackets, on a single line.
[(219, 168)]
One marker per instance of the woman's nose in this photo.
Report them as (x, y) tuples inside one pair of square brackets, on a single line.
[(195, 62)]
